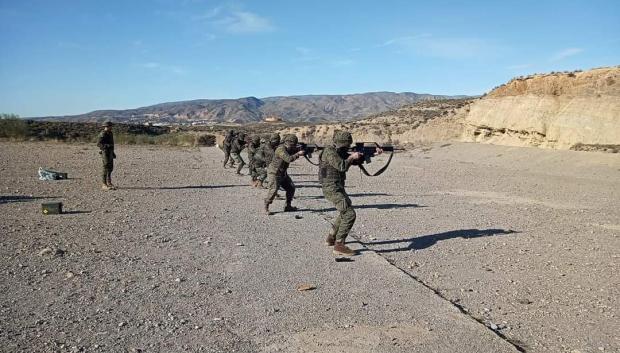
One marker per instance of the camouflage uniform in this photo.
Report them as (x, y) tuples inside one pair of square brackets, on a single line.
[(236, 147), (334, 162), (230, 136), (278, 176), (264, 156), (252, 149), (105, 142)]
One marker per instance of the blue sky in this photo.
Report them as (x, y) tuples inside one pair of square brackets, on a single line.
[(69, 57)]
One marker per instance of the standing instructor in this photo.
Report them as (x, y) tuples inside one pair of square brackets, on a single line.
[(105, 142)]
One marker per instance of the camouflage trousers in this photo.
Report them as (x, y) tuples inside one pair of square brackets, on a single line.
[(261, 173), (346, 214), (253, 170), (227, 158), (108, 165), (237, 158), (276, 182)]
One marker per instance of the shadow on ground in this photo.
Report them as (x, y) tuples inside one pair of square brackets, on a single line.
[(22, 198), (180, 187), (367, 194), (75, 212), (426, 241), (378, 206)]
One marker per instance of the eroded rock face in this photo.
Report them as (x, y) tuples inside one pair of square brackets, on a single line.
[(558, 110)]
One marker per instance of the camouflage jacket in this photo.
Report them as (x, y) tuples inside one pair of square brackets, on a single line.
[(333, 166), (252, 149), (105, 141), (228, 141), (237, 146), (263, 156), (281, 160)]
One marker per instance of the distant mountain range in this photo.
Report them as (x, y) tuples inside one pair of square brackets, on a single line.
[(311, 108)]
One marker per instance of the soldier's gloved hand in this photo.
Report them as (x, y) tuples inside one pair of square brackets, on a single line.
[(378, 150), (300, 153)]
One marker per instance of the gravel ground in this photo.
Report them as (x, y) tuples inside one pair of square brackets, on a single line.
[(464, 247)]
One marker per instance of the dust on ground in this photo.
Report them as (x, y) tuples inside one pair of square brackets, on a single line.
[(481, 247)]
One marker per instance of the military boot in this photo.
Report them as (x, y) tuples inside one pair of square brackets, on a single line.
[(105, 187), (289, 208), (342, 250)]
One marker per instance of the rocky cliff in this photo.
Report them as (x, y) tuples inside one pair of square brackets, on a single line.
[(557, 110)]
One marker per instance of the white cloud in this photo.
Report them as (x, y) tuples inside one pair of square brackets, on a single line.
[(303, 50), (236, 21), (566, 53), (343, 62), (519, 66), (175, 69), (401, 40), (440, 47), (152, 65), (305, 55)]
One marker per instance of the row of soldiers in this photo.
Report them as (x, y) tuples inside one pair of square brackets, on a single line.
[(268, 160)]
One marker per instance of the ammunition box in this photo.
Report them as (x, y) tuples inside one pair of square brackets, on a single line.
[(51, 208)]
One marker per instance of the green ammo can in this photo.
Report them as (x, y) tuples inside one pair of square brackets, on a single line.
[(51, 208)]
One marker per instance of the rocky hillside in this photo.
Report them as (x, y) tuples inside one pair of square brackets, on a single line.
[(251, 109), (558, 110), (570, 110), (422, 122)]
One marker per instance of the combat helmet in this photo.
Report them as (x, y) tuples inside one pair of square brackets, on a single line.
[(275, 139), (107, 123), (291, 139), (342, 139), (256, 139)]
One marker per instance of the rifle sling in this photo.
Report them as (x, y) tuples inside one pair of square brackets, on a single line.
[(309, 161), (380, 171)]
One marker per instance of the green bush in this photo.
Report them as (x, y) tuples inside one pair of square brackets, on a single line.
[(12, 126)]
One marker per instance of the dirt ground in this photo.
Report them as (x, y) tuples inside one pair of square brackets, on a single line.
[(463, 247)]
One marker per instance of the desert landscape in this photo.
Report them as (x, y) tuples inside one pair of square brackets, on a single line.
[(463, 247), (488, 233), (468, 152)]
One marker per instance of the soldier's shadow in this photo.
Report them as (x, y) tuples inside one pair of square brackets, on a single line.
[(426, 241), (379, 206), (361, 194), (180, 187)]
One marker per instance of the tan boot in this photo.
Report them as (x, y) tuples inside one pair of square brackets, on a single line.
[(105, 187), (343, 250), (111, 186)]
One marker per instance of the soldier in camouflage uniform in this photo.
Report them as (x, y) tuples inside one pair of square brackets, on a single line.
[(263, 157), (278, 177), (334, 162), (238, 144), (252, 149), (230, 136), (105, 142)]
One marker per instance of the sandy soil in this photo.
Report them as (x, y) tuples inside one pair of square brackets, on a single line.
[(463, 247)]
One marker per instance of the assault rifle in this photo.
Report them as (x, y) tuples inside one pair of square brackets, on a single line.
[(368, 150), (309, 149)]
